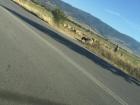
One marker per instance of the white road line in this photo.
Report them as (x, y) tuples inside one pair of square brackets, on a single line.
[(81, 69)]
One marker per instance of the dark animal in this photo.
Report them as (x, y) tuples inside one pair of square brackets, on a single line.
[(87, 40)]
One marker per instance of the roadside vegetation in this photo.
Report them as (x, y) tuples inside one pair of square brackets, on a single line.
[(59, 16), (114, 54)]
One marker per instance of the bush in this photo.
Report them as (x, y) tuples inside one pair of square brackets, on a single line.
[(59, 16), (116, 48)]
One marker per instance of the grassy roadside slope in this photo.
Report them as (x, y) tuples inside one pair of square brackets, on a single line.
[(36, 9), (121, 58)]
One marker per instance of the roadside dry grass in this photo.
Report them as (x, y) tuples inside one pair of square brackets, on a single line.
[(36, 9), (128, 62)]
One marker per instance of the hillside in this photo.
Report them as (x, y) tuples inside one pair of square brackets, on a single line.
[(95, 24)]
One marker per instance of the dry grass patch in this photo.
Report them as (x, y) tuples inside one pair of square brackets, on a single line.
[(36, 9)]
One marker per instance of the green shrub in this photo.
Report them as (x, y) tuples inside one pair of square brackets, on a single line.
[(59, 16), (116, 48)]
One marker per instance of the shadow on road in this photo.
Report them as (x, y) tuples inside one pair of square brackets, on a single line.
[(77, 48), (25, 99)]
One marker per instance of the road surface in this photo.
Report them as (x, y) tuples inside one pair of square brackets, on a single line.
[(40, 66)]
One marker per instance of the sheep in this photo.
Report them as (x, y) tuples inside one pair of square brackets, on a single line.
[(87, 40), (65, 25)]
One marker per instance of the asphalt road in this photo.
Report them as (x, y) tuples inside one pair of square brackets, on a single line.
[(40, 66)]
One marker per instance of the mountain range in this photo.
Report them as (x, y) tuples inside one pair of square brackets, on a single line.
[(94, 23)]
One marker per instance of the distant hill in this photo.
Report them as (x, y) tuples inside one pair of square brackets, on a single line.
[(96, 24)]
